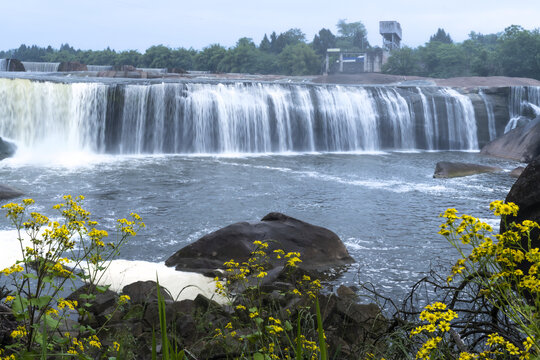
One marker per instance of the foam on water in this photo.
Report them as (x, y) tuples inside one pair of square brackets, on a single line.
[(181, 285)]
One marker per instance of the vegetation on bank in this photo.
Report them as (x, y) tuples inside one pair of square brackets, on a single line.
[(512, 52), (487, 308)]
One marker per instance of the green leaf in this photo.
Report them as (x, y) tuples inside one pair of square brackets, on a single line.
[(19, 305), (258, 356), (41, 301), (102, 288), (30, 276)]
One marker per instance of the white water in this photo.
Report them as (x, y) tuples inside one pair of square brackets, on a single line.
[(3, 64), (99, 67), (237, 118), (522, 97), (462, 134), (490, 114), (31, 66)]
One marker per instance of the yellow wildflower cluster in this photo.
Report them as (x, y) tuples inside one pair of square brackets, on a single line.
[(12, 269), (506, 268), (123, 299), (19, 332), (69, 304)]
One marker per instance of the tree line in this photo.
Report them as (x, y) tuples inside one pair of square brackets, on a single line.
[(287, 53), (513, 52)]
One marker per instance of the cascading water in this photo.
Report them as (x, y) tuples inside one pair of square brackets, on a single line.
[(462, 135), (99, 67), (32, 66), (52, 116), (232, 117), (522, 97), (3, 65), (490, 114)]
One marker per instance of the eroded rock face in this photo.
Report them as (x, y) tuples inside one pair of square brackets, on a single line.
[(68, 66), (8, 192), (526, 194), (320, 248), (448, 169), (7, 149), (520, 144)]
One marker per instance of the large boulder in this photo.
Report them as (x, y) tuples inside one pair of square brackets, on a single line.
[(320, 248), (448, 169), (526, 194), (7, 149), (8, 192), (521, 144), (68, 66)]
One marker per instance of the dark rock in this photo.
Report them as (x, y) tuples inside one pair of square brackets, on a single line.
[(320, 248), (7, 325), (517, 172), (521, 144), (447, 169), (101, 301), (7, 149), (525, 193), (142, 292), (14, 65), (68, 66), (8, 192)]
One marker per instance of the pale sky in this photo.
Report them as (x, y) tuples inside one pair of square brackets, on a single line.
[(138, 24)]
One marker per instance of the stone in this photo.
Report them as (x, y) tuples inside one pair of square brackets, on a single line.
[(320, 248), (15, 65), (520, 144), (68, 66), (517, 172), (525, 193), (447, 169), (8, 192), (7, 149), (141, 292)]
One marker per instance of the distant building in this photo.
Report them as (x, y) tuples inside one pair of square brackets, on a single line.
[(372, 60), (391, 34)]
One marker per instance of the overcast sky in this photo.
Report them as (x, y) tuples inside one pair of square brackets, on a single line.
[(138, 24)]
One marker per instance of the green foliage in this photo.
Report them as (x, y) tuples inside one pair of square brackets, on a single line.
[(299, 59), (323, 40), (56, 254), (209, 58), (403, 61), (441, 36), (260, 327), (352, 35)]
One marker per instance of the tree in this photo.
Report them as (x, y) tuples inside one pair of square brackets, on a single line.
[(441, 36), (404, 61), (265, 44), (289, 37), (240, 59), (518, 52), (353, 35), (208, 59), (299, 59), (157, 56), (323, 40)]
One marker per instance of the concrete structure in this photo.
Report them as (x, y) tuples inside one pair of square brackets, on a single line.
[(391, 34), (372, 60)]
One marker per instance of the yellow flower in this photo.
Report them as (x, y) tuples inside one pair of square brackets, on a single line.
[(123, 299), (116, 346)]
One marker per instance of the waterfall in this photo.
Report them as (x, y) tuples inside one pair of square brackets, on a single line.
[(521, 98), (490, 114), (462, 131), (32, 66), (99, 67), (46, 114), (3, 65), (128, 118), (431, 127)]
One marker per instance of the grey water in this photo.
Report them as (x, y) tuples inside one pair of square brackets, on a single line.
[(192, 157), (384, 206)]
